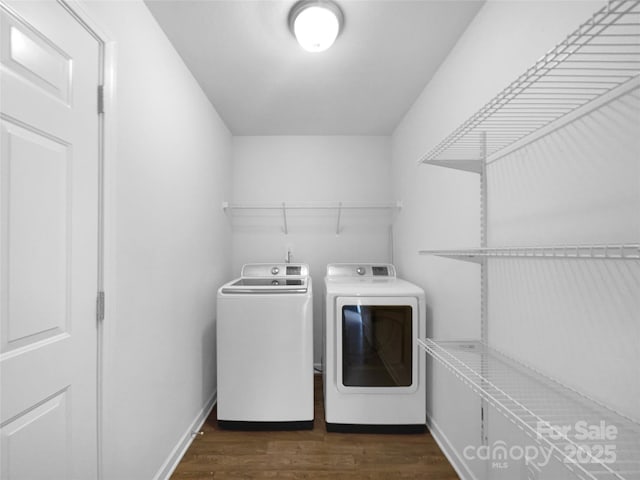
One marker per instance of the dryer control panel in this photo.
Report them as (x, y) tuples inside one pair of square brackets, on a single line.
[(361, 270)]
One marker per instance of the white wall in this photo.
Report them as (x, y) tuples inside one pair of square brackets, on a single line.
[(441, 210), (307, 169), (167, 246)]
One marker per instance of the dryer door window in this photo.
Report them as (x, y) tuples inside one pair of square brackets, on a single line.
[(377, 345)]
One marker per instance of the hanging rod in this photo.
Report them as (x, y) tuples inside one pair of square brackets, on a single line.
[(600, 251)]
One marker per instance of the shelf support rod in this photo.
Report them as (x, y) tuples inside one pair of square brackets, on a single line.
[(284, 218), (484, 294), (484, 282), (339, 215)]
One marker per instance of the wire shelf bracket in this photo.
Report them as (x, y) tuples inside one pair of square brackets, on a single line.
[(473, 166)]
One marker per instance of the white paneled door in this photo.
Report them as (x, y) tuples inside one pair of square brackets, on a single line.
[(49, 178)]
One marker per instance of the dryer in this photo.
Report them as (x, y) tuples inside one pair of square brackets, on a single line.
[(373, 371), (264, 343)]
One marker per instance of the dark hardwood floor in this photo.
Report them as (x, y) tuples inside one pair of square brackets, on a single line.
[(311, 454)]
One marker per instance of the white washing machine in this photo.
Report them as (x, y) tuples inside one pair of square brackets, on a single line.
[(373, 372), (264, 343)]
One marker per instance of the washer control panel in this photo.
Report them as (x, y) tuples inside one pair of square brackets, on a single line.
[(275, 270)]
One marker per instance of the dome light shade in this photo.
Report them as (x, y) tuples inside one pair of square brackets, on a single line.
[(315, 23)]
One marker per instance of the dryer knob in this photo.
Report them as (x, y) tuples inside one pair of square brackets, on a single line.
[(275, 271), (360, 270)]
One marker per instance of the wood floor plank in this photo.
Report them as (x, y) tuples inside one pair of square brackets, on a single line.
[(311, 447), (311, 454)]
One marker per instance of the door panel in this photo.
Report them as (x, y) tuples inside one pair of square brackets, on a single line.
[(24, 435), (49, 146), (34, 58), (37, 197)]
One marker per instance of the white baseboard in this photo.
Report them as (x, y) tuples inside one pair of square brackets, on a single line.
[(458, 463), (185, 441)]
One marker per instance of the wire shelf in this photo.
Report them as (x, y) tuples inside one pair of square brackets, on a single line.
[(227, 206), (283, 207), (603, 252), (542, 408), (600, 60)]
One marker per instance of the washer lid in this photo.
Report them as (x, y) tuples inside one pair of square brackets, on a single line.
[(250, 285)]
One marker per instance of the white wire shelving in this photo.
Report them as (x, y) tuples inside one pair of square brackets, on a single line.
[(542, 408), (592, 67), (284, 207), (630, 251), (597, 63)]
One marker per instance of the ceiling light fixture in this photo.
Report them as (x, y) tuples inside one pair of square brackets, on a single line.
[(315, 23)]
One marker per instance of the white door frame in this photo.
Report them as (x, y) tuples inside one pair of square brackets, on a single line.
[(106, 163)]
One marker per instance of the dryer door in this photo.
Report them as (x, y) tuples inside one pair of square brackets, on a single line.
[(376, 344)]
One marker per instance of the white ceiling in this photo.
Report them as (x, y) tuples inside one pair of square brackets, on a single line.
[(262, 83)]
